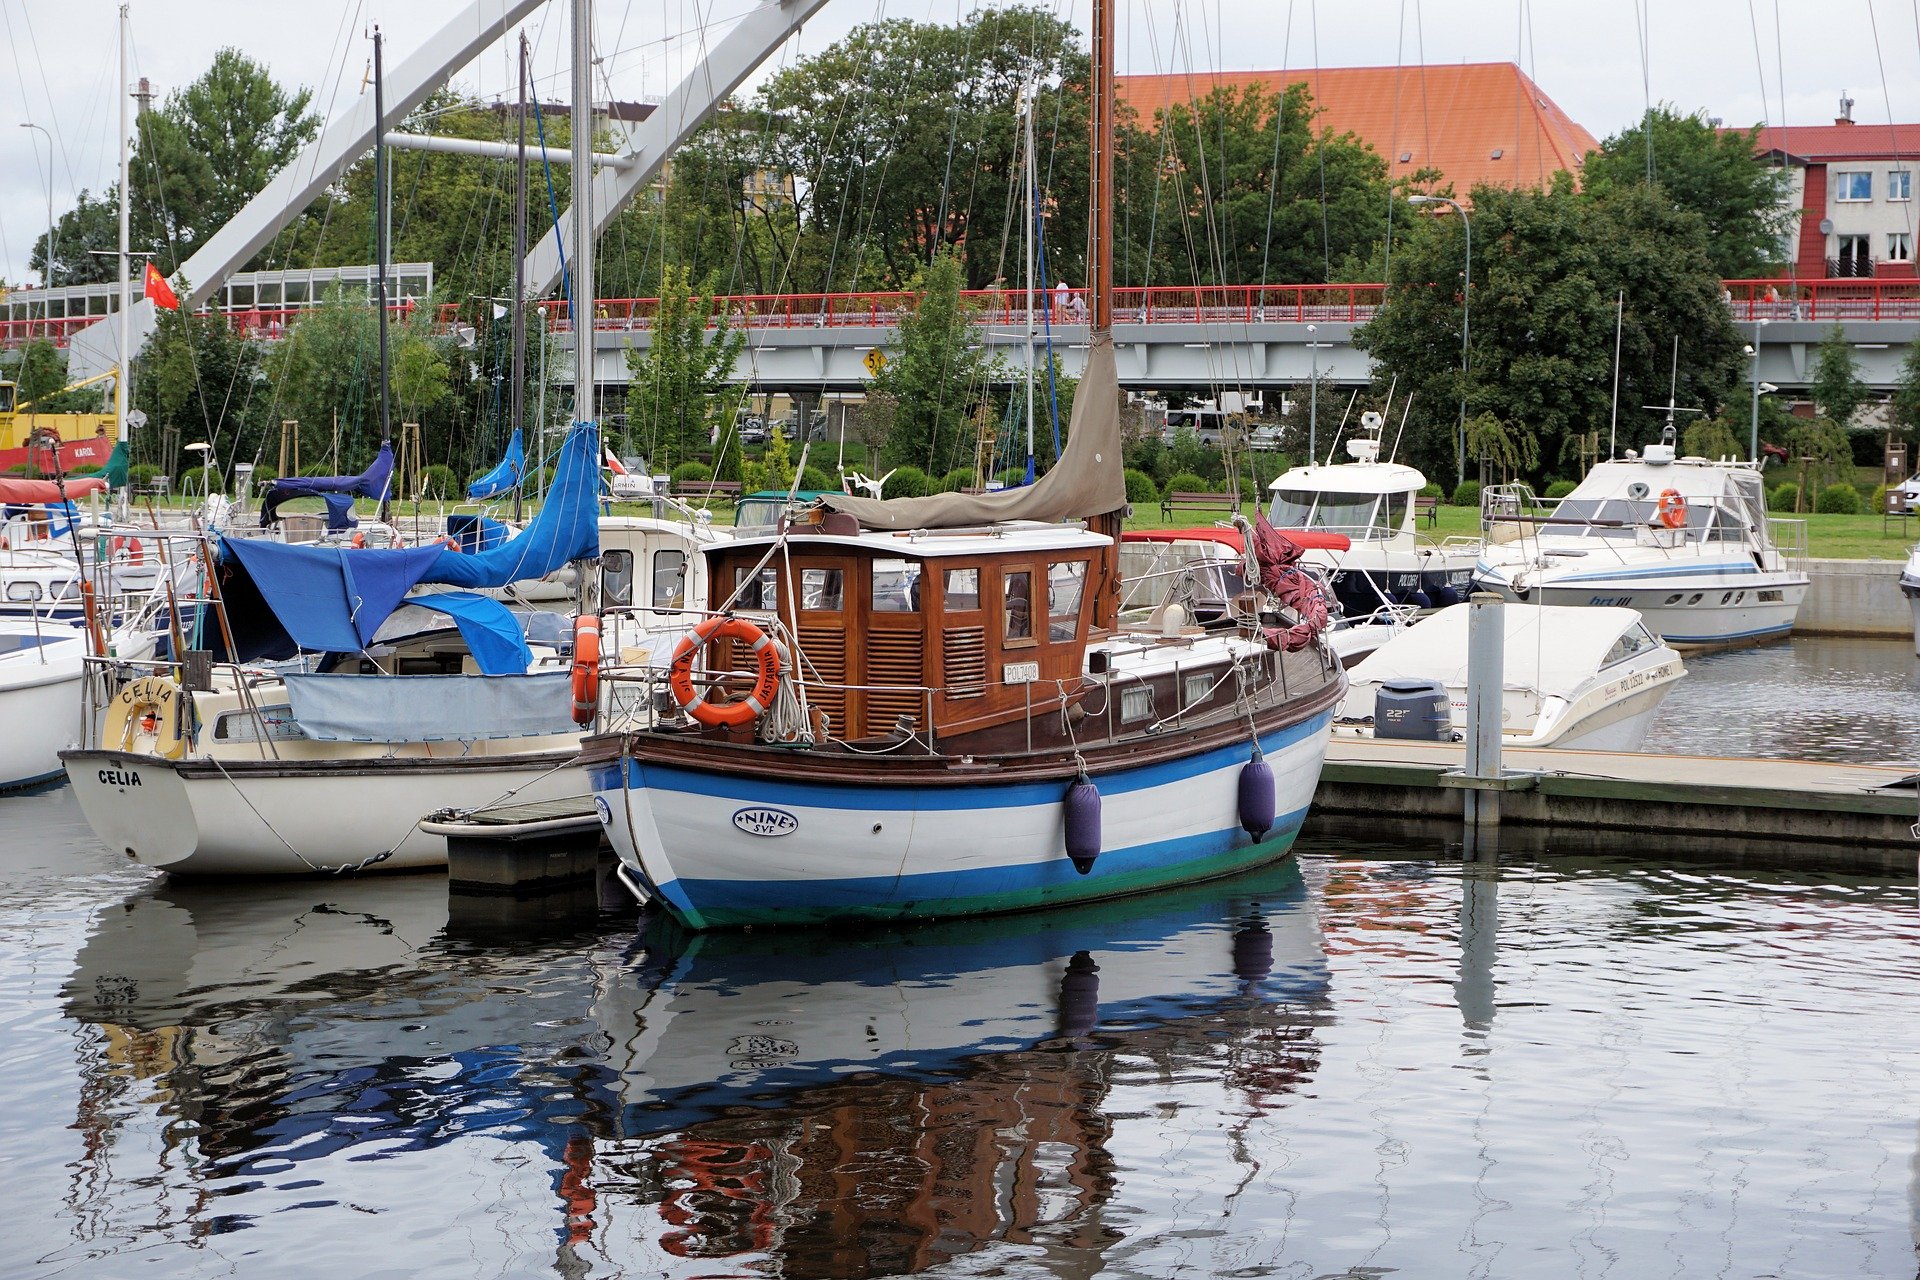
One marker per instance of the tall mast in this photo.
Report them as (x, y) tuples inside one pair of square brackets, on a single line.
[(126, 248), (380, 228), (1100, 215), (1029, 179), (518, 395), (583, 410)]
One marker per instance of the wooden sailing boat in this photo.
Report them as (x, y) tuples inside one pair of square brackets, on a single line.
[(945, 718)]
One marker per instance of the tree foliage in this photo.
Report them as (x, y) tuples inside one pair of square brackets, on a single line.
[(1700, 169), (328, 365), (1547, 269), (1904, 405), (198, 380), (1836, 384), (676, 395), (934, 373)]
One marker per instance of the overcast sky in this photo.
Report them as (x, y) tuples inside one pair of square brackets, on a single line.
[(59, 69)]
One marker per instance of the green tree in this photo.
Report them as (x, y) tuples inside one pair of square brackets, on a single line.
[(1547, 269), (85, 239), (1716, 174), (327, 365), (1836, 384), (1904, 406), (211, 147), (421, 374), (196, 379), (676, 394), (935, 372), (1250, 191), (1714, 438), (41, 373), (1500, 448)]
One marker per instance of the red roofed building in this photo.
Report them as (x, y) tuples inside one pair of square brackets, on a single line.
[(1853, 189), (1474, 122)]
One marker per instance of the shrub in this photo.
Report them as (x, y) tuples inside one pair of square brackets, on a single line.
[(1433, 491), (81, 473), (957, 479), (437, 482), (264, 475), (1467, 494), (1011, 476), (815, 478), (322, 469), (1838, 500), (1782, 497), (1184, 482), (1561, 488), (1878, 502), (1141, 490), (140, 473), (20, 469), (906, 482), (691, 473), (198, 480)]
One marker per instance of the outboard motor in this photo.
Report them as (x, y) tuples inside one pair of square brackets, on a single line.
[(1416, 710)]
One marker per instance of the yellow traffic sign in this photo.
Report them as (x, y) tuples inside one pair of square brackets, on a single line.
[(875, 360)]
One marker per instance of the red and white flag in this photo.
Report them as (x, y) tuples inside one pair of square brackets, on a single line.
[(159, 292)]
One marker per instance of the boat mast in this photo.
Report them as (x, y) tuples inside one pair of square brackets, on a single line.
[(1029, 177), (1106, 600), (518, 395), (380, 228), (120, 395), (583, 211)]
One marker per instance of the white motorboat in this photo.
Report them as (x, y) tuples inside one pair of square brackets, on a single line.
[(1684, 541), (1587, 679), (41, 665), (1910, 587), (1356, 520)]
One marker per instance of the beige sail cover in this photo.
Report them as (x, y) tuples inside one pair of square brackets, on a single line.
[(1089, 480)]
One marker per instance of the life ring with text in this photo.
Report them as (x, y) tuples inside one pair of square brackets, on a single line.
[(148, 716), (586, 668), (766, 682), (1672, 511), (127, 551)]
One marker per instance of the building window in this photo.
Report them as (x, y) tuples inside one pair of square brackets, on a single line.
[(1899, 246), (1855, 260), (1853, 186), (1899, 184)]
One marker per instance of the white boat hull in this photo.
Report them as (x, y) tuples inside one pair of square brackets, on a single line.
[(40, 715), (1710, 609), (727, 850), (198, 817)]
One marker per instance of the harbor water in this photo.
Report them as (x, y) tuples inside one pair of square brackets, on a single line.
[(1375, 1059)]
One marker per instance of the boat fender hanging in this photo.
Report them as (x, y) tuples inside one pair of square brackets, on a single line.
[(766, 682), (1082, 812), (1256, 795), (586, 668), (1673, 509)]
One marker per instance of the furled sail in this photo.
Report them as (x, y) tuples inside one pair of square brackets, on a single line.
[(374, 483), (506, 476)]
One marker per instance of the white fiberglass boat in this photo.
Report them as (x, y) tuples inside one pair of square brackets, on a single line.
[(41, 666), (1910, 587), (1357, 522), (1587, 679), (1684, 541)]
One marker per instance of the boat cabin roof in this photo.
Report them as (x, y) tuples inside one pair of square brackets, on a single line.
[(1013, 538), (1689, 477), (1351, 477), (1554, 649)]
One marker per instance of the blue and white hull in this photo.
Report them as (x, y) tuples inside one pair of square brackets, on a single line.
[(1729, 602), (734, 848)]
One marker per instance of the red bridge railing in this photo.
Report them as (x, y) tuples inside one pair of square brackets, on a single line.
[(1819, 301)]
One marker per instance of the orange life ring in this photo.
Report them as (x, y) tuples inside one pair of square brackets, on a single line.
[(766, 684), (586, 668), (359, 538), (1672, 511), (127, 551)]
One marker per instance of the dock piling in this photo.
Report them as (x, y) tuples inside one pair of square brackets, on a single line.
[(1486, 663)]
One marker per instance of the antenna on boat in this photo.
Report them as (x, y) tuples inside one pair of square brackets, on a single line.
[(1344, 415), (1406, 411), (1671, 407)]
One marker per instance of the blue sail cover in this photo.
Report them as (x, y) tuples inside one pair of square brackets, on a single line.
[(506, 477), (493, 634), (333, 599), (373, 483)]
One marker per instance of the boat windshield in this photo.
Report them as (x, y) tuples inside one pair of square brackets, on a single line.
[(1623, 518), (1358, 515)]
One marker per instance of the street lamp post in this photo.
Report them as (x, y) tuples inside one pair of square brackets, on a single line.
[(46, 264), (1753, 447), (1466, 315), (1313, 397)]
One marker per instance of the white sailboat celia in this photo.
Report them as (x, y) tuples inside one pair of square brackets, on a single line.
[(333, 718), (1684, 541), (944, 718)]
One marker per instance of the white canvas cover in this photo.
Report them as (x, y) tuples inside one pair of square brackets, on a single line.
[(1553, 649)]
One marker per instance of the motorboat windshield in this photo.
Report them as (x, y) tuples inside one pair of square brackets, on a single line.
[(1358, 515)]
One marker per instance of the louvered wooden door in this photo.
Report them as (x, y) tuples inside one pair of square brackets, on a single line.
[(820, 599), (895, 631)]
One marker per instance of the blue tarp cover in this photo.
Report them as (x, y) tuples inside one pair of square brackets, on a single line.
[(371, 483), (506, 477), (431, 708), (477, 533), (491, 631), (330, 599), (567, 526)]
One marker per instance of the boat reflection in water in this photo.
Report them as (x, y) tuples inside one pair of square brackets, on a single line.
[(858, 1105)]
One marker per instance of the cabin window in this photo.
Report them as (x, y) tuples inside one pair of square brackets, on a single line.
[(963, 590), (1018, 605), (1136, 704), (896, 586), (616, 577), (1634, 640), (822, 590), (1292, 508), (1196, 689), (670, 579), (1065, 583), (757, 591), (1392, 513), (23, 591)]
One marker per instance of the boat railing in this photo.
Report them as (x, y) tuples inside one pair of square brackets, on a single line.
[(1789, 538)]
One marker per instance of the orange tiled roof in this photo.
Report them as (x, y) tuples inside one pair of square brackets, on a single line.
[(1821, 142), (1452, 118)]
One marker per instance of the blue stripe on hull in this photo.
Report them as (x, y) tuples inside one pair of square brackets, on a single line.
[(734, 903)]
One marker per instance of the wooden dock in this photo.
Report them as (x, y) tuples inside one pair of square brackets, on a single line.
[(521, 848), (1835, 806)]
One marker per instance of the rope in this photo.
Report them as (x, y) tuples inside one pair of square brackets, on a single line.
[(344, 869)]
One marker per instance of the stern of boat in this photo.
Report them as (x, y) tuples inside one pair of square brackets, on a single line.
[(137, 805)]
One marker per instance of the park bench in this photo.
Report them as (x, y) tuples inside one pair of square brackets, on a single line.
[(700, 490), (1426, 508), (1180, 500)]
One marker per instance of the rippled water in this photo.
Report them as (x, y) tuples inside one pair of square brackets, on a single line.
[(1372, 1061), (1809, 698)]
